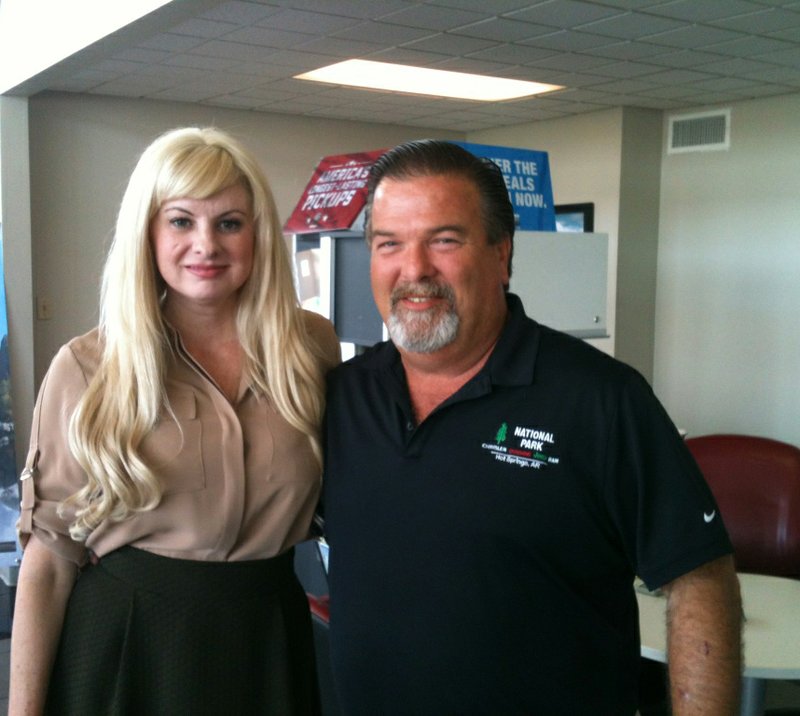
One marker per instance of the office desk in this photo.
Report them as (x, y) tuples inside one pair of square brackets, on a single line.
[(771, 634)]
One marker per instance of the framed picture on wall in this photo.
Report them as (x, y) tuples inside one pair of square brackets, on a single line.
[(575, 217)]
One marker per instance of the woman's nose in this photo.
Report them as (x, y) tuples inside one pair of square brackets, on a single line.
[(205, 240)]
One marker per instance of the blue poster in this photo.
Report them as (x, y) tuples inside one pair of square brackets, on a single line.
[(527, 175), (9, 491)]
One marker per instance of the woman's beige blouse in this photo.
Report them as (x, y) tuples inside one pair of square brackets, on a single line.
[(239, 482)]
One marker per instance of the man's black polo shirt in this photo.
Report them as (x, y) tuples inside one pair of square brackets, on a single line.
[(482, 562)]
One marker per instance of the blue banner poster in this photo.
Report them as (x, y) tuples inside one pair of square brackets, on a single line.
[(527, 175), (9, 486)]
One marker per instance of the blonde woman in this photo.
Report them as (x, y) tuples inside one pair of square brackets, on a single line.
[(175, 461)]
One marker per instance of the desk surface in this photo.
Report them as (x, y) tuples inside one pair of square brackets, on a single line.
[(771, 630)]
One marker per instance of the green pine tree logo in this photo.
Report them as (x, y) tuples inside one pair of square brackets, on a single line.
[(501, 433)]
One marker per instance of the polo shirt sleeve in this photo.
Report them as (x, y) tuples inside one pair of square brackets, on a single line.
[(666, 515), (51, 472)]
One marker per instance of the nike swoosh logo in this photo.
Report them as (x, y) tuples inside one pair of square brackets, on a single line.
[(708, 516)]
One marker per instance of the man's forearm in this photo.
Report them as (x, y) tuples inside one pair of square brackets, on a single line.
[(704, 641)]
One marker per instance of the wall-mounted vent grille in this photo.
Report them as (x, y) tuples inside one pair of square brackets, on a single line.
[(700, 132)]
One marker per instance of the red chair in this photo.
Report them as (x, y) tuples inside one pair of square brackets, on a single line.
[(756, 482)]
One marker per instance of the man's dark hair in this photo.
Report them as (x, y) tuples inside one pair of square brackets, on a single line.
[(433, 157)]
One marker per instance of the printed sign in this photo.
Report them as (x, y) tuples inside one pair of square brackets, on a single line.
[(527, 175), (336, 194)]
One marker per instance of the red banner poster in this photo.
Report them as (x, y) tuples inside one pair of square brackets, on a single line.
[(336, 194)]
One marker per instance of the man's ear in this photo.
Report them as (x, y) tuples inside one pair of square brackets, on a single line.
[(503, 249)]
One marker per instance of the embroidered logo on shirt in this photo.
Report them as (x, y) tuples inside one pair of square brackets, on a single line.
[(522, 446), (709, 516)]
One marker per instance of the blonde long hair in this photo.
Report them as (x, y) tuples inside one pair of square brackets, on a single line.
[(127, 394)]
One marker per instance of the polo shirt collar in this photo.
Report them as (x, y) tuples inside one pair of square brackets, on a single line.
[(513, 359)]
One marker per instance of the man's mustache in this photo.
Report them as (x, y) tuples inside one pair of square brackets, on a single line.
[(422, 289)]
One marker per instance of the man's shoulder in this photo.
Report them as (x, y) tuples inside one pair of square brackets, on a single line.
[(572, 357), (375, 358)]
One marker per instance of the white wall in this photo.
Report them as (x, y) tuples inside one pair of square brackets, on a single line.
[(728, 298), (83, 148)]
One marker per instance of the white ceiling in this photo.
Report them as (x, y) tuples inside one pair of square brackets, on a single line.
[(645, 53)]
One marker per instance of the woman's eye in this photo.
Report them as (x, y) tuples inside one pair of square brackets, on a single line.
[(180, 222), (230, 225)]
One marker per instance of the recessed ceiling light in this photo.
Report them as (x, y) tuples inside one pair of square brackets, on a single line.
[(419, 80)]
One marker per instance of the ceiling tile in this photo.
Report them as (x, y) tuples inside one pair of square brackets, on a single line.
[(407, 56), (171, 42), (572, 62), (302, 21), (748, 45), (703, 10), (513, 54), (684, 58), (790, 34), (627, 50), (789, 57), (338, 47), (724, 84), (384, 33), (239, 13), (629, 69), (570, 41), (692, 36), (203, 28), (766, 90), (678, 77), (780, 75), (503, 30), (294, 62), (565, 13), (348, 8), (266, 37), (231, 50), (633, 4), (632, 26), (450, 44), (473, 65), (737, 67), (200, 62), (432, 17), (624, 86), (498, 6), (762, 21)]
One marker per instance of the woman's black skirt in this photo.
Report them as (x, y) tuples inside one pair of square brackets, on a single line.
[(155, 636)]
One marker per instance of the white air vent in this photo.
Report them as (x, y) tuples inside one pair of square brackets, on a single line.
[(701, 132)]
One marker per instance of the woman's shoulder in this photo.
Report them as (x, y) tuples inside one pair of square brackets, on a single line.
[(84, 350), (322, 333)]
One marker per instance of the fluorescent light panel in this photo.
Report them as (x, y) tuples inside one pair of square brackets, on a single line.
[(420, 80)]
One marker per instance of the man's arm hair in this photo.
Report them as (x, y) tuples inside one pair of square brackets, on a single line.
[(704, 640)]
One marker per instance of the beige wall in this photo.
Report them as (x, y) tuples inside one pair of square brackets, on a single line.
[(727, 342), (637, 245)]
